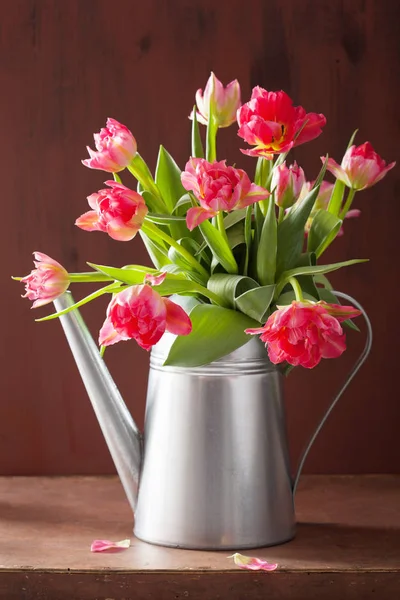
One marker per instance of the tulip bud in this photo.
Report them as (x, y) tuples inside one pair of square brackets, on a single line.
[(224, 102), (287, 183)]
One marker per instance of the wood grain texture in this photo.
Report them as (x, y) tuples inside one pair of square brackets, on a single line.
[(64, 68), (346, 546)]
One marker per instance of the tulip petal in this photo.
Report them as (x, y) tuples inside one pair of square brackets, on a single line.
[(103, 545), (89, 221), (336, 170), (197, 215), (178, 321), (154, 279), (253, 564), (108, 335)]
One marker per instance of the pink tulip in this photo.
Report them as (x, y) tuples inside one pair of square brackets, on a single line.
[(305, 332), (271, 123), (118, 211), (217, 187), (46, 282), (361, 167), (140, 313), (287, 183), (224, 102), (116, 148)]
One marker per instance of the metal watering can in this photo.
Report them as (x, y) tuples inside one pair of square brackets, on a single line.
[(211, 470)]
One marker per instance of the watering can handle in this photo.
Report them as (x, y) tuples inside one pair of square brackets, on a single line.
[(360, 361)]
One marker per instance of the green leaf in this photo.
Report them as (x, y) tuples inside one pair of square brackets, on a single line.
[(197, 145), (131, 276), (216, 332), (219, 247), (109, 289), (235, 235), (315, 270), (255, 303), (306, 282), (152, 202), (183, 200), (247, 238), (324, 228), (266, 253), (229, 287), (291, 233), (164, 219), (323, 281), (168, 179), (156, 250), (234, 217)]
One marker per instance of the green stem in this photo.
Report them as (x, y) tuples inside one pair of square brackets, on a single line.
[(151, 229), (221, 226), (211, 142), (297, 289), (88, 277), (348, 203), (281, 214)]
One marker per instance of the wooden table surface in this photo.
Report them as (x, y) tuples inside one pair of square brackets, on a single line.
[(347, 546)]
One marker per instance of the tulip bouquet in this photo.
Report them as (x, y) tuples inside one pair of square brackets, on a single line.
[(233, 255)]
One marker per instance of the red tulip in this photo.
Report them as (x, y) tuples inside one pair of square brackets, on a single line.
[(271, 123), (361, 167), (305, 332), (116, 148), (140, 313), (118, 211)]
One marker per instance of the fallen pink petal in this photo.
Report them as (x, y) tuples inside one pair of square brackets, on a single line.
[(104, 545), (252, 563)]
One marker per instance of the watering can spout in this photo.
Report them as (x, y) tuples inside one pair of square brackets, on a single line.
[(120, 431)]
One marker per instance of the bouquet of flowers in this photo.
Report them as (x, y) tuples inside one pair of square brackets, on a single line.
[(233, 255)]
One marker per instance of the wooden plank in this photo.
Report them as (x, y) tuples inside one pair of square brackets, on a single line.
[(198, 586), (347, 543)]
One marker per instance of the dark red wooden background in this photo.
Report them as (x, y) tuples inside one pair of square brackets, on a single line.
[(65, 67)]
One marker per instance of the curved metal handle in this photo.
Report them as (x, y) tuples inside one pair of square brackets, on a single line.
[(360, 361)]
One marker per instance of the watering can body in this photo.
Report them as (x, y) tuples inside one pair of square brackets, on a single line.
[(211, 470), (215, 470)]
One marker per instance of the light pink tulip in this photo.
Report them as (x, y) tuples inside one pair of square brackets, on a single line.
[(287, 183), (217, 188), (305, 332), (46, 282), (116, 148), (361, 167), (140, 313), (118, 211), (224, 102)]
